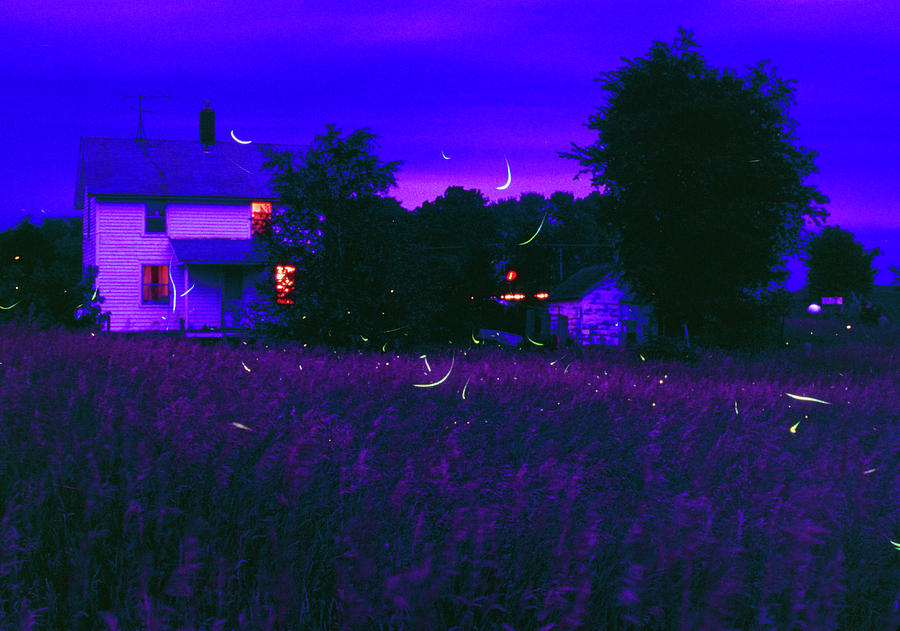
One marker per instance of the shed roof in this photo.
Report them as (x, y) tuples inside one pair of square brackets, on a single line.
[(213, 250), (177, 168), (577, 286)]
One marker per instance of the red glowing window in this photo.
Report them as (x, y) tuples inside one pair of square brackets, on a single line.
[(261, 213), (155, 287), (284, 284)]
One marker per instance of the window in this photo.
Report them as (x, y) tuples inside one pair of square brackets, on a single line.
[(156, 284), (284, 284), (155, 217), (261, 213)]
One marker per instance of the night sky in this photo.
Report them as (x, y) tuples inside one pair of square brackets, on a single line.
[(478, 80)]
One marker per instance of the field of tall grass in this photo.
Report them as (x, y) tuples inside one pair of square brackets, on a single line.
[(153, 483)]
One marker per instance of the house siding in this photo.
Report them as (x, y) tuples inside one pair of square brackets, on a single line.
[(208, 221), (89, 232), (599, 317), (123, 248)]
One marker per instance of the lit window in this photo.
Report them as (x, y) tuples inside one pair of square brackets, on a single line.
[(155, 218), (284, 284), (156, 284), (261, 216)]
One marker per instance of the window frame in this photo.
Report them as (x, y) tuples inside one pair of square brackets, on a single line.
[(262, 225), (145, 286), (156, 206)]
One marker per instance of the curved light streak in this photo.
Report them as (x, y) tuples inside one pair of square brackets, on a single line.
[(533, 342), (237, 140), (444, 156), (508, 177), (188, 291), (794, 427), (437, 383), (535, 234), (425, 357), (10, 306), (241, 426), (475, 340), (799, 398), (245, 366), (464, 389)]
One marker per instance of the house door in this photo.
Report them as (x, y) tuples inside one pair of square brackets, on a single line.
[(233, 297)]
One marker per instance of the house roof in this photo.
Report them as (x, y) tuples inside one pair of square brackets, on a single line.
[(576, 286), (177, 168), (213, 250)]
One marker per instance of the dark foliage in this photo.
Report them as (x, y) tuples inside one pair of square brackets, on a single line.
[(42, 278), (704, 181), (838, 265)]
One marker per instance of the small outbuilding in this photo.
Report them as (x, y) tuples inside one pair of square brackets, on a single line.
[(594, 307)]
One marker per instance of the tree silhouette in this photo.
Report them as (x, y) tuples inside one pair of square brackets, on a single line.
[(705, 184), (41, 277), (837, 264), (332, 225)]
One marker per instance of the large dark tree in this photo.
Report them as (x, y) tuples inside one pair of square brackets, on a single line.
[(457, 236), (343, 238), (837, 264), (705, 183), (41, 276)]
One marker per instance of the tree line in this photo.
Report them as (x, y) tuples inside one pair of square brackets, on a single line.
[(701, 197)]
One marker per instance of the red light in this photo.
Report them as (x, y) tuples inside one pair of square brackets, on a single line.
[(541, 296), (511, 275), (512, 297)]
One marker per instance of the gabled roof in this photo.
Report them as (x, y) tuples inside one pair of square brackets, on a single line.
[(577, 286), (213, 250), (177, 168)]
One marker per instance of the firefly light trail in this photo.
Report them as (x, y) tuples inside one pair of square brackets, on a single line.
[(437, 383), (799, 398)]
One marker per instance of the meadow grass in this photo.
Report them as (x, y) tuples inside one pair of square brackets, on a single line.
[(156, 483)]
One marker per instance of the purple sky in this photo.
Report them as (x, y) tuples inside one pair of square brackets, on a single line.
[(478, 80)]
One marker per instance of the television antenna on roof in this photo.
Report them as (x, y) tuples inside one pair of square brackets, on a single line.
[(141, 139), (141, 136)]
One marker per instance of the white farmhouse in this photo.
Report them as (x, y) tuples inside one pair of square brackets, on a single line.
[(169, 226), (593, 307)]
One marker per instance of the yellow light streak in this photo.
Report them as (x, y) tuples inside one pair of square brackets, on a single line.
[(475, 340), (868, 471), (464, 389), (245, 366), (240, 426), (800, 398), (894, 543), (364, 339), (94, 297), (794, 427), (437, 383)]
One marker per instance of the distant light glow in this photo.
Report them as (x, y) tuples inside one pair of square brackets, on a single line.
[(512, 297), (284, 284), (511, 275), (542, 295), (832, 300), (814, 308)]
